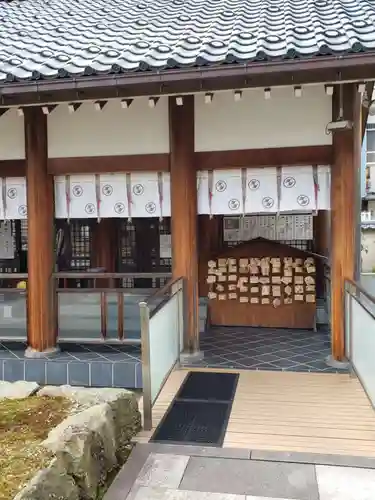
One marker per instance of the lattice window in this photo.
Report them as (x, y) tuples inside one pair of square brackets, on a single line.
[(81, 236), (24, 234), (131, 256), (10, 265), (127, 251), (165, 262)]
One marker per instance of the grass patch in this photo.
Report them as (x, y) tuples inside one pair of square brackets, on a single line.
[(24, 424)]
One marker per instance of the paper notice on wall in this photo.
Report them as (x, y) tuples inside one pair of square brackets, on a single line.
[(6, 241), (165, 246)]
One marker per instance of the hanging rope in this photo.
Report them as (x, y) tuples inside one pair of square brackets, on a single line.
[(316, 186), (160, 192), (210, 190), (4, 195), (97, 193), (279, 175), (129, 196), (67, 197), (244, 189)]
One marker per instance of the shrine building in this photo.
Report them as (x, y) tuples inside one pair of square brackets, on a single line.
[(212, 147)]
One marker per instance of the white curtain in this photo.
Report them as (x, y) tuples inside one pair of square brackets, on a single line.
[(265, 190), (13, 202), (261, 190), (297, 189), (141, 194), (147, 194), (113, 197)]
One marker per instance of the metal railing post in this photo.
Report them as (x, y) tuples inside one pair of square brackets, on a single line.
[(146, 365)]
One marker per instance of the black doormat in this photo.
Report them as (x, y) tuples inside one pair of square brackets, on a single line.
[(200, 412), (209, 386)]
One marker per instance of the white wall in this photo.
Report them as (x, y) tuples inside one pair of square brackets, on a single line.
[(12, 137), (112, 131), (256, 122)]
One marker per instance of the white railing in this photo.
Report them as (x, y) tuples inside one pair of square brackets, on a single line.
[(162, 340), (360, 335)]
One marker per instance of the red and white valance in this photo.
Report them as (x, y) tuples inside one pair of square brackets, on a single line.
[(271, 190), (264, 190), (142, 194)]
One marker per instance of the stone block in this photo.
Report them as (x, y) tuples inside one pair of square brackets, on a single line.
[(50, 483), (17, 390), (123, 404), (84, 446)]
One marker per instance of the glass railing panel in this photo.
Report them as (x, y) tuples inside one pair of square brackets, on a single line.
[(164, 342), (13, 315), (79, 316), (125, 305), (362, 345)]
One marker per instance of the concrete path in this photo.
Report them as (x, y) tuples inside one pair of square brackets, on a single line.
[(171, 472)]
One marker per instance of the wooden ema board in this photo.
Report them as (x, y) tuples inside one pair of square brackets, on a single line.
[(262, 283)]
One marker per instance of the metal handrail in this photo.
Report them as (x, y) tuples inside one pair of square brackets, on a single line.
[(358, 288), (162, 291), (146, 315)]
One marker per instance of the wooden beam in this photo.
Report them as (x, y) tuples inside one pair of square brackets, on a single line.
[(184, 211), (241, 158), (109, 164), (208, 160), (344, 210), (40, 206)]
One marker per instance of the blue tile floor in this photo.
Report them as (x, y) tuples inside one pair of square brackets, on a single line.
[(274, 349), (78, 365), (94, 365)]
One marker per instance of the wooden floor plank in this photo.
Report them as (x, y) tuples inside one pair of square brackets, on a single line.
[(286, 411)]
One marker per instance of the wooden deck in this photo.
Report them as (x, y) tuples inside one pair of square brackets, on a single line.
[(285, 411)]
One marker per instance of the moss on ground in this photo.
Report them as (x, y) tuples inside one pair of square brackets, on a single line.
[(24, 424)]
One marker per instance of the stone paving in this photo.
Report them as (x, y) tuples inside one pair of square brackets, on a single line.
[(156, 472)]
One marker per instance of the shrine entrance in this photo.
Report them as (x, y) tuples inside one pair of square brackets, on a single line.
[(268, 286)]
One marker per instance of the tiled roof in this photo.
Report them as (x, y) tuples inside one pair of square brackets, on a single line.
[(59, 38)]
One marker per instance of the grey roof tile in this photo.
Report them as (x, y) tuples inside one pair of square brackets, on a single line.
[(56, 38)]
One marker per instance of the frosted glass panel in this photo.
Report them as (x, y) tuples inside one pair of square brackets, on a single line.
[(348, 300), (79, 316), (164, 343), (363, 346), (13, 316)]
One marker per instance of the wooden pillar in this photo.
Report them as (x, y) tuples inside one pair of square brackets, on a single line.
[(345, 194), (184, 210), (41, 298)]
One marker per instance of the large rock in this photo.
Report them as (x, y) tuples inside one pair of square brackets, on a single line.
[(17, 390), (51, 483), (123, 404), (85, 447)]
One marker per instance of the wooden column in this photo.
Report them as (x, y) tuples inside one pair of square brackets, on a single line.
[(184, 210), (345, 194), (40, 212)]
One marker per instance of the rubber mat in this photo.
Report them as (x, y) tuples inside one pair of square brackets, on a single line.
[(209, 386), (200, 412)]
